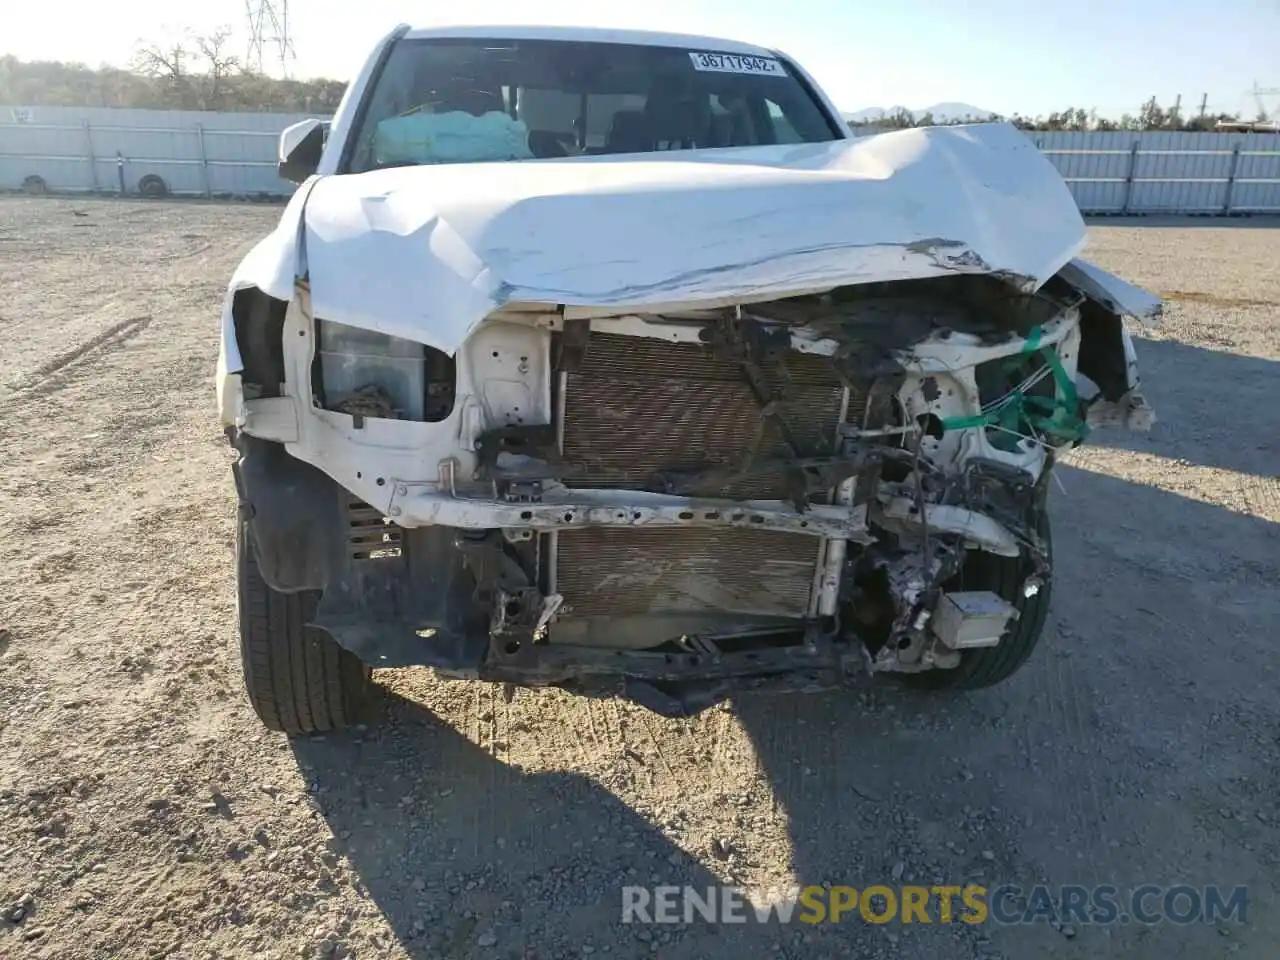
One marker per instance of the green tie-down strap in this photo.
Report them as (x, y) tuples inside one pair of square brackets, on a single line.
[(1056, 419)]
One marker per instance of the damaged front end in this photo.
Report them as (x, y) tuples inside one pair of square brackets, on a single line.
[(676, 506)]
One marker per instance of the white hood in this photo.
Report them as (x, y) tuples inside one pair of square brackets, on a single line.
[(428, 252)]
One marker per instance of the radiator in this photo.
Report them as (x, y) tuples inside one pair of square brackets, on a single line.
[(636, 406)]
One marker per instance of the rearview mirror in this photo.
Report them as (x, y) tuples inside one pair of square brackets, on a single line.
[(301, 145)]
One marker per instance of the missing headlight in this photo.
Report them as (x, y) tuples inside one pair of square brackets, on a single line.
[(369, 374), (1029, 398)]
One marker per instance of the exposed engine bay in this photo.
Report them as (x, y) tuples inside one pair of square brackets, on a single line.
[(676, 506)]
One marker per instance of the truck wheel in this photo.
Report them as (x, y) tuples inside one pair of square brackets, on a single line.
[(153, 186), (298, 678), (987, 666)]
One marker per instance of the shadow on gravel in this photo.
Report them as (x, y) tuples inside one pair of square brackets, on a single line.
[(466, 855), (1213, 408), (1049, 778)]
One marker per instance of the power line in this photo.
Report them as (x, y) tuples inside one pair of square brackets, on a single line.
[(1260, 92)]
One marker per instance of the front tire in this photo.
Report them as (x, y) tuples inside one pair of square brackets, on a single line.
[(1005, 576), (299, 680)]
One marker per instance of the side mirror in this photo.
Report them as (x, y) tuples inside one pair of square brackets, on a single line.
[(301, 145)]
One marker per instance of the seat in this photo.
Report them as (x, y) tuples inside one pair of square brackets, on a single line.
[(678, 117), (546, 144), (629, 132), (720, 130)]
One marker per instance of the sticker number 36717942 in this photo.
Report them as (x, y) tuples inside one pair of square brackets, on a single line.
[(736, 63)]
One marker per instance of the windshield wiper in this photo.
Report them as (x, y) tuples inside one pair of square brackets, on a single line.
[(388, 164)]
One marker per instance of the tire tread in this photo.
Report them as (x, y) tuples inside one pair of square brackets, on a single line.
[(298, 679)]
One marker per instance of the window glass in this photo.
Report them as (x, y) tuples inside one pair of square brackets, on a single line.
[(465, 100)]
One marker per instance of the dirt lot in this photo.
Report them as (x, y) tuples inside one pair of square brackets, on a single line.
[(145, 813)]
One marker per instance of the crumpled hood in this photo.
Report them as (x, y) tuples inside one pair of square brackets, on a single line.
[(428, 252)]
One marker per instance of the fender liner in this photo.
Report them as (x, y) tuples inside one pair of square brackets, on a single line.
[(293, 512)]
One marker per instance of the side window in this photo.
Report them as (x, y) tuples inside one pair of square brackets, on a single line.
[(783, 131)]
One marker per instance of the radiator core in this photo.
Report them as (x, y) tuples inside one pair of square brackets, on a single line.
[(636, 406)]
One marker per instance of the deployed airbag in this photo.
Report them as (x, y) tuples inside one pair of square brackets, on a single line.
[(454, 137)]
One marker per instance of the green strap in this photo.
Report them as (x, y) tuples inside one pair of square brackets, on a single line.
[(1056, 418)]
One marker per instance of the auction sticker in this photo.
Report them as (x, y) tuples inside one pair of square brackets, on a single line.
[(736, 63)]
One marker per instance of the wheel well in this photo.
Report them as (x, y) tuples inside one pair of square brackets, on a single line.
[(259, 327), (1102, 356)]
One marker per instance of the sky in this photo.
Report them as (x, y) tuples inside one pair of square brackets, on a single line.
[(1025, 56)]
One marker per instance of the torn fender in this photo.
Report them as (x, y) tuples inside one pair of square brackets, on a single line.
[(1113, 294), (1108, 361), (273, 266)]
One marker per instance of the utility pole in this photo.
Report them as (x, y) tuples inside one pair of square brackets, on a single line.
[(1204, 104), (1175, 120), (1147, 114)]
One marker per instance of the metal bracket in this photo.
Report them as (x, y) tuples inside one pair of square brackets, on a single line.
[(523, 491), (529, 441), (573, 342), (518, 609), (495, 572), (1009, 495)]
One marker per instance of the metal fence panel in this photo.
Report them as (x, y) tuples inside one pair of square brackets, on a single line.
[(1099, 197), (1259, 165), (87, 148), (1256, 198), (239, 180), (63, 174), (1162, 196), (1167, 171), (227, 146), (1093, 166)]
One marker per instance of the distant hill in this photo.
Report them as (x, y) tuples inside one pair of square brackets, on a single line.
[(946, 112)]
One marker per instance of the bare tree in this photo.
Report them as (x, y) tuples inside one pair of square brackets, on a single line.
[(168, 63), (218, 66), (161, 61), (194, 70)]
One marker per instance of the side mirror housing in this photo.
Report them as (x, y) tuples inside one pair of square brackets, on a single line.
[(301, 145)]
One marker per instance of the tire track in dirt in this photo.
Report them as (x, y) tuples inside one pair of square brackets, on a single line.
[(38, 383)]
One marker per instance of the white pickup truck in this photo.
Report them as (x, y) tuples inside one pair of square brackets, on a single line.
[(610, 360)]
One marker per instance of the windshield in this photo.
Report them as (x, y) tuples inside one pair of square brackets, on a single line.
[(469, 100)]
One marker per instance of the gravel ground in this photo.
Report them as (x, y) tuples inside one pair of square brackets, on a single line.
[(145, 813)]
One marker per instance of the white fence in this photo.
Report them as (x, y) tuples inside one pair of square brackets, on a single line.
[(1167, 172), (87, 150), (103, 150)]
